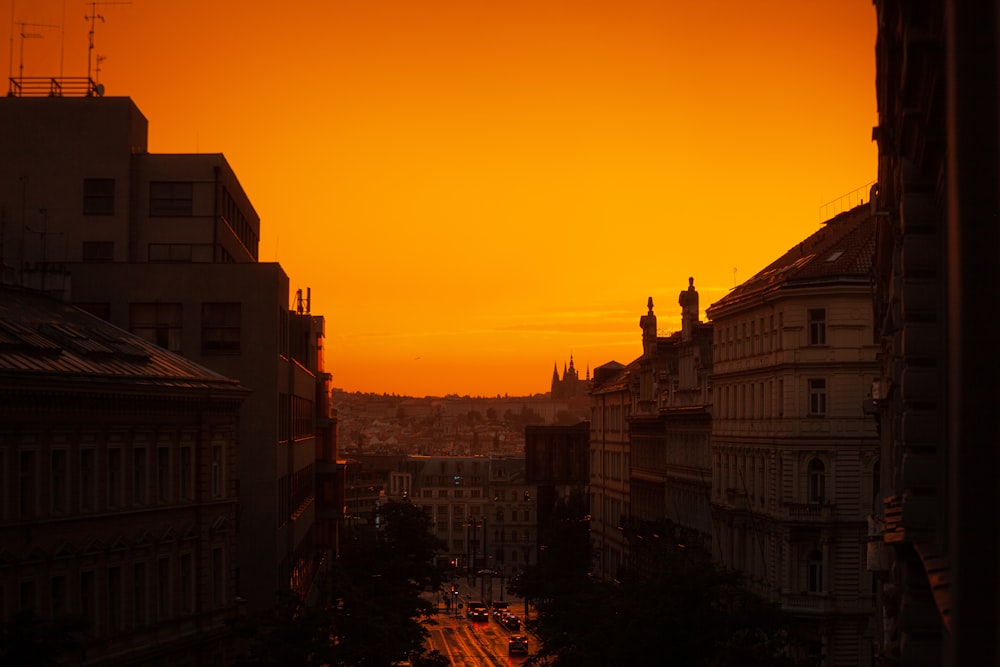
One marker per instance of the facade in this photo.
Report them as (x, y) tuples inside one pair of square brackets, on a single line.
[(670, 428), (557, 461), (483, 509), (649, 444), (936, 281), (794, 456), (609, 478), (165, 246), (118, 471)]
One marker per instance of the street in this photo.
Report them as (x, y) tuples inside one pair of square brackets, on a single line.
[(468, 644)]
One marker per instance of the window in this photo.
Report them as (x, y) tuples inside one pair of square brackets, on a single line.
[(139, 476), (218, 577), (159, 323), (98, 251), (169, 198), (57, 588), (114, 477), (220, 328), (169, 252), (163, 588), (817, 397), (817, 326), (187, 472), (114, 597), (98, 196), (216, 471), (163, 474), (87, 601), (27, 481), (87, 480), (187, 584), (817, 481), (139, 597), (58, 495), (814, 571)]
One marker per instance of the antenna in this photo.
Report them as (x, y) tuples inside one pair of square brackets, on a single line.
[(92, 17), (29, 35)]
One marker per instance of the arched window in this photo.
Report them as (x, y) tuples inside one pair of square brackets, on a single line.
[(817, 481), (814, 571)]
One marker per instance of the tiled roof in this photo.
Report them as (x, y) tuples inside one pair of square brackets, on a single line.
[(46, 339), (840, 251)]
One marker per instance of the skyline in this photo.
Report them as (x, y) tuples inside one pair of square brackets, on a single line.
[(475, 193)]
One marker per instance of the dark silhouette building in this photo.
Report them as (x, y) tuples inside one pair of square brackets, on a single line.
[(937, 541), (569, 385)]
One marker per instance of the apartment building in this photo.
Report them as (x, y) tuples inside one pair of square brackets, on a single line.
[(608, 470), (795, 458), (166, 246), (118, 471), (937, 276)]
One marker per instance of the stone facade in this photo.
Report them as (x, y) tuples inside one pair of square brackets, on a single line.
[(794, 456)]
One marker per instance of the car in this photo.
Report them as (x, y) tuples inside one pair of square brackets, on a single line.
[(511, 622), (517, 644), (477, 612), (500, 608)]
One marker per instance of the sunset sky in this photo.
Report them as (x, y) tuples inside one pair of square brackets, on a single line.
[(474, 190)]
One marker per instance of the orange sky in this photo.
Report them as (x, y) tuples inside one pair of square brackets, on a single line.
[(476, 189)]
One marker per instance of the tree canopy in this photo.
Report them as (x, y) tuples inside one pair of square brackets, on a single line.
[(370, 613)]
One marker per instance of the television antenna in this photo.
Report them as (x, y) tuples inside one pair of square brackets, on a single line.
[(92, 17), (28, 35)]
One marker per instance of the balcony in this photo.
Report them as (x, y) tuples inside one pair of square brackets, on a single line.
[(809, 512), (806, 603)]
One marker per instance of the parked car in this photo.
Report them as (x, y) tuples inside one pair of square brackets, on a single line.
[(517, 645), (477, 612)]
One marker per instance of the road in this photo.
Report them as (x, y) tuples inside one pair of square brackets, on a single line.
[(468, 644)]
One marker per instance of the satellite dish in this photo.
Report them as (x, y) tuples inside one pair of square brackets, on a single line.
[(99, 89)]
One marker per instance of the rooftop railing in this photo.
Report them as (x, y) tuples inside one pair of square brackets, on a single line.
[(53, 86)]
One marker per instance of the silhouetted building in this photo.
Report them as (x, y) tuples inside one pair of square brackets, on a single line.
[(794, 456), (937, 276), (569, 385), (166, 246), (557, 463), (118, 471), (649, 440)]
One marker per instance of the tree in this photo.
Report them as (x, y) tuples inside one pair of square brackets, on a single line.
[(371, 612), (681, 606)]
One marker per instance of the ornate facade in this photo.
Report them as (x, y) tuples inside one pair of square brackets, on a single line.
[(794, 456)]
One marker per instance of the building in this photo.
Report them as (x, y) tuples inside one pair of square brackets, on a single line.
[(569, 385), (118, 471), (795, 461), (649, 445), (609, 477), (936, 279), (557, 464), (166, 246)]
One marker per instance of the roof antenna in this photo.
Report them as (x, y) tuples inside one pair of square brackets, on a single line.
[(92, 17), (29, 35)]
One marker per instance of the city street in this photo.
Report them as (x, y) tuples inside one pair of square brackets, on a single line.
[(468, 644)]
